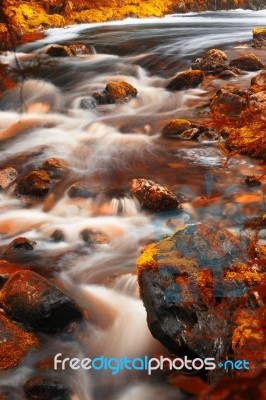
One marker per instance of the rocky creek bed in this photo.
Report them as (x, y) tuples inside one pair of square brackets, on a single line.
[(139, 151)]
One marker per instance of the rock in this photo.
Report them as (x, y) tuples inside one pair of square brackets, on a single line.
[(185, 130), (8, 394), (186, 80), (88, 103), (58, 236), (227, 74), (229, 102), (216, 55), (80, 189), (19, 245), (253, 180), (259, 37), (44, 388), (258, 82), (119, 92), (91, 237), (175, 127), (213, 62), (247, 62), (15, 343), (153, 196), (7, 177), (35, 183), (54, 167), (79, 49), (34, 301), (55, 50), (193, 285)]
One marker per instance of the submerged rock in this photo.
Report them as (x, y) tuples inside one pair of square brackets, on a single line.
[(15, 343), (247, 62), (44, 388), (31, 299), (119, 92), (229, 102), (80, 189), (55, 50), (92, 238), (153, 196), (7, 177), (35, 183), (193, 285), (57, 236), (186, 80)]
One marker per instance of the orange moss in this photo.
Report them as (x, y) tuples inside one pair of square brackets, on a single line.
[(248, 331)]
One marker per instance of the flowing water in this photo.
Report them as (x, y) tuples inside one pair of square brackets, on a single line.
[(106, 147)]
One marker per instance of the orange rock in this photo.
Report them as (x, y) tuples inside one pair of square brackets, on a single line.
[(186, 80), (15, 343), (175, 127), (35, 183), (247, 62)]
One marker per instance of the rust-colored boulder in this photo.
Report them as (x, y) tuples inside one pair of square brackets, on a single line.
[(56, 50), (258, 82), (19, 245), (92, 238), (54, 167), (153, 196), (229, 102), (194, 284), (79, 49), (45, 388), (175, 127), (15, 343), (259, 37), (34, 301), (7, 177), (247, 62), (119, 92), (35, 183), (186, 80)]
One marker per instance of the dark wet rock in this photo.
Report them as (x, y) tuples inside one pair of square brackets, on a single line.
[(186, 80), (185, 130), (258, 82), (79, 49), (44, 388), (193, 284), (229, 102), (20, 245), (15, 343), (253, 180), (35, 183), (119, 92), (7, 177), (34, 301), (80, 189), (54, 167), (153, 196), (92, 238), (259, 37), (175, 127), (247, 62), (7, 269), (213, 62), (56, 50), (227, 74), (57, 236), (88, 103)]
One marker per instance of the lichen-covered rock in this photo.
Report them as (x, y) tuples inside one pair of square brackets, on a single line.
[(34, 301), (55, 50), (186, 80), (193, 285), (7, 177), (92, 238), (185, 130), (119, 92), (247, 62), (35, 183), (15, 343), (153, 196), (229, 102), (175, 127), (54, 167), (45, 388), (259, 37)]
